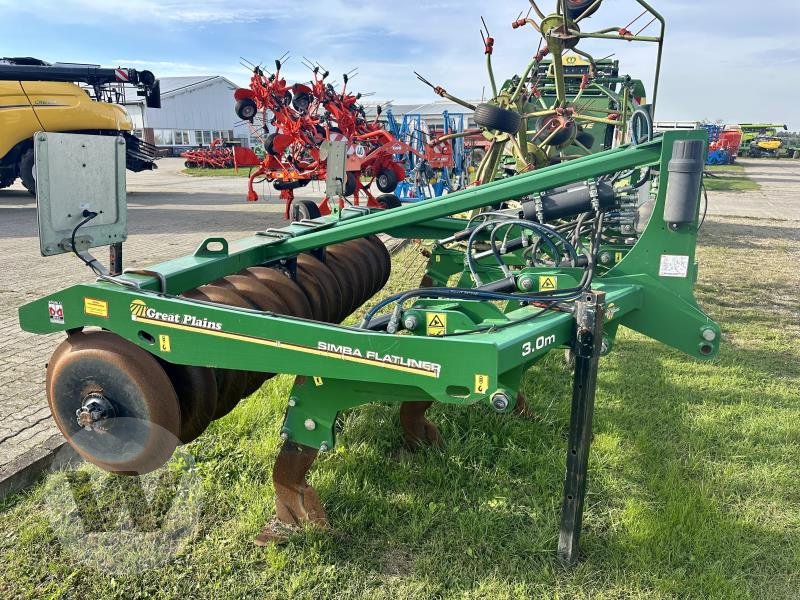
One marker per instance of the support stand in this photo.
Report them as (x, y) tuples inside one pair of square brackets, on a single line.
[(589, 317)]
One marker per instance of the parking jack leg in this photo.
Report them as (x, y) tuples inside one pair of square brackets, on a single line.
[(589, 316)]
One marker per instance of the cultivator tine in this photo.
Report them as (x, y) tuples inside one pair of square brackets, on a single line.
[(522, 408), (296, 502), (418, 430)]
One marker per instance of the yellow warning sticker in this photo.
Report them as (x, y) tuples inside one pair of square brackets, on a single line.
[(618, 256), (436, 324), (318, 381), (548, 283), (95, 308), (164, 343), (481, 383)]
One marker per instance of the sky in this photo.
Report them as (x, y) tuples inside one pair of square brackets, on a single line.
[(722, 60)]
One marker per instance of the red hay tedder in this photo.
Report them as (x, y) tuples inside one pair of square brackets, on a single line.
[(295, 123)]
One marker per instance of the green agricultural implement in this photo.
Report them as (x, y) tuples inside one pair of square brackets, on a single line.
[(153, 356)]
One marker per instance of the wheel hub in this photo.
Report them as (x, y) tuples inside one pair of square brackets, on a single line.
[(94, 411)]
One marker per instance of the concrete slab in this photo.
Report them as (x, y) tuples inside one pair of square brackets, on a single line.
[(777, 198)]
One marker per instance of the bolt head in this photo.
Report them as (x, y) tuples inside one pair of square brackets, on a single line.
[(410, 322), (292, 401), (526, 284), (323, 447), (605, 258), (284, 435), (709, 335), (500, 401), (310, 424)]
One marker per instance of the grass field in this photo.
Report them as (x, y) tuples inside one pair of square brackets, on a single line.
[(693, 489), (729, 178)]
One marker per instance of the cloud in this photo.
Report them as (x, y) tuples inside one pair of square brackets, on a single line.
[(718, 62)]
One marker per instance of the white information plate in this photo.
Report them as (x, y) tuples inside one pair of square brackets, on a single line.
[(674, 266)]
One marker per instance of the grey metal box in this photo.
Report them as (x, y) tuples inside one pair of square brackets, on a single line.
[(77, 173)]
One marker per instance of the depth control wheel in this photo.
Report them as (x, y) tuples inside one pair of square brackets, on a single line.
[(113, 402)]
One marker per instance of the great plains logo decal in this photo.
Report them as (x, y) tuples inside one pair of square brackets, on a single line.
[(141, 312)]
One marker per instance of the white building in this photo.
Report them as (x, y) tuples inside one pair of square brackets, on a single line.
[(194, 111)]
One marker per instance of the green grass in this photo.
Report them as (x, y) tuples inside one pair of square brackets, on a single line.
[(693, 489), (243, 172), (729, 178)]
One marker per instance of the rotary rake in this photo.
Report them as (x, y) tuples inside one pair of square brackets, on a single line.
[(306, 119), (547, 114), (153, 356)]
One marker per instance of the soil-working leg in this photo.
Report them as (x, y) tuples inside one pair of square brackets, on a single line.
[(296, 502), (418, 430), (589, 316)]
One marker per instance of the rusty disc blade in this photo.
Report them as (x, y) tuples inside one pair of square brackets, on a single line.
[(277, 281), (255, 292), (196, 388), (329, 284), (316, 294), (296, 502), (378, 262), (367, 267), (138, 430), (352, 287), (417, 429), (360, 274), (380, 266), (385, 259), (231, 383)]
